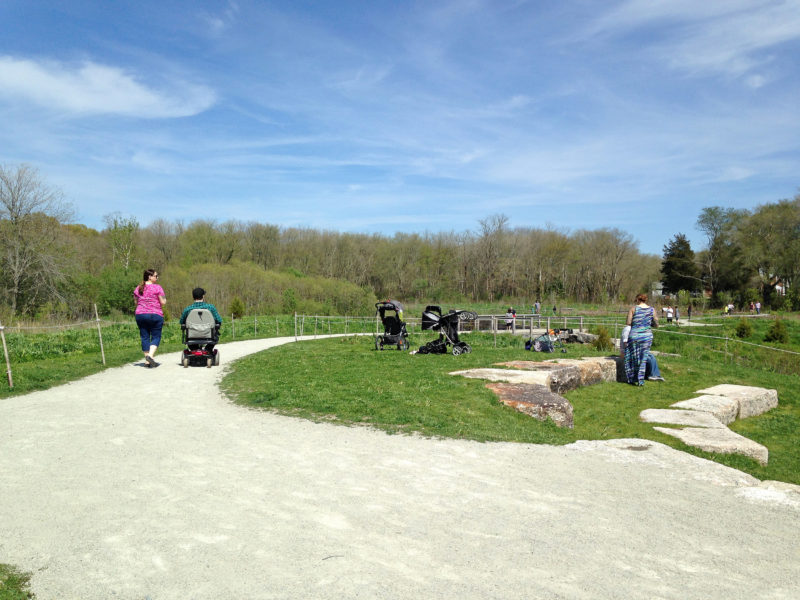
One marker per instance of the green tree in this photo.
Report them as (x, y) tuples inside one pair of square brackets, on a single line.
[(679, 271), (121, 232)]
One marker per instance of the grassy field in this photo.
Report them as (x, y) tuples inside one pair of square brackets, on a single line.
[(345, 381)]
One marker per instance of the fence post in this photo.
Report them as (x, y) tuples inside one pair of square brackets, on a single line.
[(295, 326), (5, 352), (315, 327), (345, 324), (255, 326), (233, 327), (565, 322), (100, 335), (277, 331), (548, 323), (580, 327)]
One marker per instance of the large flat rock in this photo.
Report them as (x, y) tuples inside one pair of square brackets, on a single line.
[(507, 375), (560, 378), (721, 441), (680, 417), (752, 400), (723, 408), (536, 401)]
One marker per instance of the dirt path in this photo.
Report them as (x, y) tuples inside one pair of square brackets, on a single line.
[(138, 483)]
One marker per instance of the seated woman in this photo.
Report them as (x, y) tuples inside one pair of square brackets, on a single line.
[(641, 317)]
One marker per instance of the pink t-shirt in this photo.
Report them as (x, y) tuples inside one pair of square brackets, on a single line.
[(148, 303)]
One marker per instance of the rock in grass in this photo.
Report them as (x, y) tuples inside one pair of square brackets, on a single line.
[(752, 400), (723, 408), (536, 401), (721, 441)]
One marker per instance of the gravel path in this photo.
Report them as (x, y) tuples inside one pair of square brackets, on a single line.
[(137, 483)]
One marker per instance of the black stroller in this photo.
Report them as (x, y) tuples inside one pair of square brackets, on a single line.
[(394, 328), (447, 326)]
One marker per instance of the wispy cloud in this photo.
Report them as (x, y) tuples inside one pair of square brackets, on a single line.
[(732, 38), (92, 88)]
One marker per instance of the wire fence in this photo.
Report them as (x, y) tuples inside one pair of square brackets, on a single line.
[(36, 342)]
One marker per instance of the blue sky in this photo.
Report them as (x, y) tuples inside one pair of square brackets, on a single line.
[(384, 116)]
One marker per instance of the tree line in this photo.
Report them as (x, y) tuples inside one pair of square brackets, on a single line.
[(750, 256), (50, 266)]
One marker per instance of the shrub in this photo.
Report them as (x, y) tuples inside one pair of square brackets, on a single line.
[(237, 308), (744, 329), (603, 341), (777, 333)]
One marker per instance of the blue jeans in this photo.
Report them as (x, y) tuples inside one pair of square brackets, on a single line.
[(150, 330), (651, 368)]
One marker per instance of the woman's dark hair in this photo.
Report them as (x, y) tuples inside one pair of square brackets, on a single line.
[(641, 298), (147, 274)]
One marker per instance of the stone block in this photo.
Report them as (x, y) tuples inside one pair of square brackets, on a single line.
[(507, 375), (722, 407), (721, 441), (560, 378), (536, 401), (680, 417), (752, 400)]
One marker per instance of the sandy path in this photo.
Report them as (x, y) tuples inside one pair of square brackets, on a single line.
[(138, 483)]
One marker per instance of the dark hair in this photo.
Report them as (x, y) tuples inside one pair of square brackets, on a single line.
[(641, 298), (198, 293), (145, 276)]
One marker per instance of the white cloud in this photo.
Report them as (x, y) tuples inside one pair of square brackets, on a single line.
[(93, 88), (728, 37)]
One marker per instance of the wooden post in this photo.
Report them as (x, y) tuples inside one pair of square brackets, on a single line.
[(100, 334), (315, 327), (233, 327), (8, 362), (255, 325), (581, 325), (345, 324), (295, 326)]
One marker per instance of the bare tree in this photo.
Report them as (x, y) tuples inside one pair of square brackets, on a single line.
[(31, 214), (122, 233)]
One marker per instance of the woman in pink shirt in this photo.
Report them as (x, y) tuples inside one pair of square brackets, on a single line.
[(150, 314)]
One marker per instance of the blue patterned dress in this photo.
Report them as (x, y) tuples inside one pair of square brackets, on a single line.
[(639, 342)]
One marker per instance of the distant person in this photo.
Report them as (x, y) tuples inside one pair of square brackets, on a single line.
[(641, 318), (537, 307), (758, 308), (149, 314), (669, 314), (555, 310), (677, 315), (199, 296), (752, 307), (511, 314), (689, 312)]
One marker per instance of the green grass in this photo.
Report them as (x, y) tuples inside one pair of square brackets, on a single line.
[(14, 584), (346, 381)]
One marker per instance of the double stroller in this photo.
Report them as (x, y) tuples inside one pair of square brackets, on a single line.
[(394, 328), (447, 326), (200, 333)]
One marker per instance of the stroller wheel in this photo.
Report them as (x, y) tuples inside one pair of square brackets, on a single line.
[(377, 344), (456, 350), (404, 344), (467, 348)]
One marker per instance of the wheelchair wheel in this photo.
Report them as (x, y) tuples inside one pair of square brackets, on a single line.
[(185, 362), (216, 359), (209, 362)]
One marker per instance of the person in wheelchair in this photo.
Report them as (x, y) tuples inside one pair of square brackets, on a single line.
[(199, 295)]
